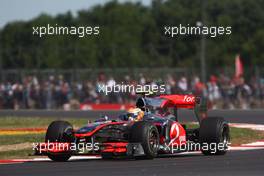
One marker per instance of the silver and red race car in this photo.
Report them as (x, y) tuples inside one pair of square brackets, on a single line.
[(158, 132)]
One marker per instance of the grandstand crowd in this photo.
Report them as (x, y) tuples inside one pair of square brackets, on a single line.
[(222, 92)]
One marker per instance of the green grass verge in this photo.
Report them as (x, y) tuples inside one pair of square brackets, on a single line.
[(243, 136), (24, 154), (36, 122), (21, 138)]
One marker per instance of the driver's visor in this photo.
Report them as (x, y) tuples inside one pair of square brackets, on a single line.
[(132, 115)]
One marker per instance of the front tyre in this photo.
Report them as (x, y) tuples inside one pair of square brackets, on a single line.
[(59, 131), (214, 132), (147, 135)]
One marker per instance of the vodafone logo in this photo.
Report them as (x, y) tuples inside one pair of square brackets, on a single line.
[(188, 99), (175, 130), (174, 133)]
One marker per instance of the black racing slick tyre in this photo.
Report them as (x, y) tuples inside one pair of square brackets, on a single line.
[(214, 133), (147, 135), (59, 131)]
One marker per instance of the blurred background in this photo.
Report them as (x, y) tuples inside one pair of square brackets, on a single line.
[(65, 71)]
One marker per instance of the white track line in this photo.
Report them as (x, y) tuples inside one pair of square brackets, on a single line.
[(248, 126), (251, 146), (71, 159)]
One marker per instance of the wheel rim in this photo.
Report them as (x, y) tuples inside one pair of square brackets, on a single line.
[(153, 140), (225, 137)]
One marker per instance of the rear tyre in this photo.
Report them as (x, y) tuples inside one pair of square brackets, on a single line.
[(214, 132), (59, 131), (147, 135)]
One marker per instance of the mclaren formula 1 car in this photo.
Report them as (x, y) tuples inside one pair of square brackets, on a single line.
[(158, 132)]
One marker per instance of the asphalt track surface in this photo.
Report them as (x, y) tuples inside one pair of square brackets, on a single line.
[(233, 116), (240, 163)]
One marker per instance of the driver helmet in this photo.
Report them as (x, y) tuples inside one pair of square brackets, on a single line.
[(135, 114)]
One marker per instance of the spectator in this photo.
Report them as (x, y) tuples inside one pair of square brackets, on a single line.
[(198, 87), (56, 92), (183, 85), (213, 91)]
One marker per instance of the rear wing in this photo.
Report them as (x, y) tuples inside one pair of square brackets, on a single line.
[(198, 104), (178, 101), (181, 101)]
